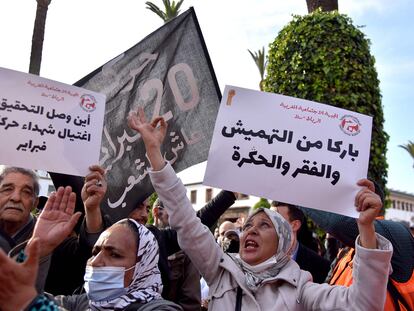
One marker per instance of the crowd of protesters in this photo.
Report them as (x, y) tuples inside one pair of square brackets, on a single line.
[(268, 262)]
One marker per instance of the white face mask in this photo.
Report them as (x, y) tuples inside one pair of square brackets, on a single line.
[(105, 283)]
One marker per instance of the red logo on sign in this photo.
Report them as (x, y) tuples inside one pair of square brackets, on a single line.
[(88, 102), (350, 125)]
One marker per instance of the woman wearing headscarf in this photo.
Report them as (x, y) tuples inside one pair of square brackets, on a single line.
[(263, 276), (122, 273)]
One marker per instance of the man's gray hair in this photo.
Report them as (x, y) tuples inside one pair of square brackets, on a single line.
[(14, 169)]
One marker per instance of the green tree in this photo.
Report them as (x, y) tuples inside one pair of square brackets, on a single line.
[(322, 57), (409, 147), (171, 9), (38, 36), (262, 203), (259, 58)]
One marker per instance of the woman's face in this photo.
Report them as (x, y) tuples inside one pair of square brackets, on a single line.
[(258, 241), (116, 247)]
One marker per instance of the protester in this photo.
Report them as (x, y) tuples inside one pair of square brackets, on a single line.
[(160, 215), (263, 276), (400, 293), (228, 237), (306, 258), (140, 212), (224, 226), (179, 277), (19, 190), (122, 273), (68, 259)]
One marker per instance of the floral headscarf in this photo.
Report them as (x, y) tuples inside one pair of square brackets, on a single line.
[(258, 275), (146, 284)]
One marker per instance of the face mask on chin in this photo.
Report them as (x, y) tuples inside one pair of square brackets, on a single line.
[(105, 283)]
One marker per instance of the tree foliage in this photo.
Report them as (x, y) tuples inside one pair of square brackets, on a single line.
[(171, 9), (322, 57), (259, 58), (262, 203), (409, 147)]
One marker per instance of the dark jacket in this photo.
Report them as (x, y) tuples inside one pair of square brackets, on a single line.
[(8, 242), (310, 261)]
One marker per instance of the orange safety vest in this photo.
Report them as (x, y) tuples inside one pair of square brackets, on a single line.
[(342, 275)]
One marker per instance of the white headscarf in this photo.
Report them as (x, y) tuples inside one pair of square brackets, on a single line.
[(265, 272), (146, 284)]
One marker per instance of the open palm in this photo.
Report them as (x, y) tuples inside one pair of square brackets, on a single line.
[(57, 220)]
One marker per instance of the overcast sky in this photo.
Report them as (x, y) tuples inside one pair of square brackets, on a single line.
[(81, 35)]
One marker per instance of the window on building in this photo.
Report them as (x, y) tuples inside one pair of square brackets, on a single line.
[(242, 196), (393, 204), (193, 196), (209, 194)]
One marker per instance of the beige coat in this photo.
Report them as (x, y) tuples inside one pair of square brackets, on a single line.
[(292, 289)]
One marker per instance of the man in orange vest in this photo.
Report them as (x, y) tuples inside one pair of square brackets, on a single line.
[(400, 294)]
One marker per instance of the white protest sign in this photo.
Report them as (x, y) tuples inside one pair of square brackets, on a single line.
[(289, 149), (49, 125)]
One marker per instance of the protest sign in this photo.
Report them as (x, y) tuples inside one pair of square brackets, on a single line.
[(169, 74), (289, 149), (49, 125)]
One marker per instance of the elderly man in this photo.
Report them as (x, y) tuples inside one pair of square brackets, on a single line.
[(19, 190)]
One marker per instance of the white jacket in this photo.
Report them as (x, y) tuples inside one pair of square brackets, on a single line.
[(292, 289)]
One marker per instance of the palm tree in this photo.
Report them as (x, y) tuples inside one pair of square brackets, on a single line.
[(409, 147), (38, 36), (259, 58), (172, 9)]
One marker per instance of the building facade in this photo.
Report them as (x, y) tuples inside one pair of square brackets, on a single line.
[(402, 207)]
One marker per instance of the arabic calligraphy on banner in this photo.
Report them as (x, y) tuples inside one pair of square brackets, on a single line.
[(289, 149), (169, 74), (49, 125)]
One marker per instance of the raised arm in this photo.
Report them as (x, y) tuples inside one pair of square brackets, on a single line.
[(345, 229), (371, 265), (152, 134), (195, 239), (369, 205), (212, 211), (93, 192), (56, 221)]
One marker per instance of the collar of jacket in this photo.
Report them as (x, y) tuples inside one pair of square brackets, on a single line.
[(290, 272)]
